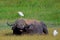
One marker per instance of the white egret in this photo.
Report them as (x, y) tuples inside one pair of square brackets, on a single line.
[(55, 32), (21, 13)]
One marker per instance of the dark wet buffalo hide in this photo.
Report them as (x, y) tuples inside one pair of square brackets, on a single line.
[(21, 26)]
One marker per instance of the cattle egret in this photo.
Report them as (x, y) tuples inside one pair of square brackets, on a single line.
[(55, 32), (21, 13)]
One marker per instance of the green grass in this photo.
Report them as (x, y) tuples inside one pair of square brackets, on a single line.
[(47, 10), (43, 10)]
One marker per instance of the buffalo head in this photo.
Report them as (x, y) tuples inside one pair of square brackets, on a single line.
[(18, 26)]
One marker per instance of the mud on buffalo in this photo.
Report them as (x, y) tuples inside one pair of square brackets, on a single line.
[(29, 26)]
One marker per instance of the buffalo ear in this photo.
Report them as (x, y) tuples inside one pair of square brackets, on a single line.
[(26, 27)]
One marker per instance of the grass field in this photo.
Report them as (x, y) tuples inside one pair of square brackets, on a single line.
[(47, 10), (7, 35), (42, 10)]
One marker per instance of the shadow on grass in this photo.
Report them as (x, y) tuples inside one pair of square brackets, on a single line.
[(11, 34)]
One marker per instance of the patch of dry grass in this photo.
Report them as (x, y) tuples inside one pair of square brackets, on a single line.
[(7, 35)]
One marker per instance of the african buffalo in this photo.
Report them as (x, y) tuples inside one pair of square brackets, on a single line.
[(28, 26)]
